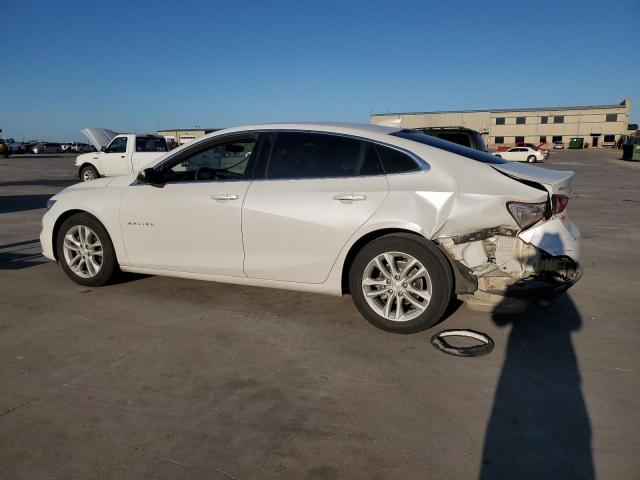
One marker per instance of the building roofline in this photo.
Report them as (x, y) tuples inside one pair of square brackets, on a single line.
[(188, 129), (501, 110)]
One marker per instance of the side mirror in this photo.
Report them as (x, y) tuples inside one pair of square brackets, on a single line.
[(149, 176), (103, 148)]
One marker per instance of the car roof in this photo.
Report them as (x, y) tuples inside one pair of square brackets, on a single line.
[(337, 127)]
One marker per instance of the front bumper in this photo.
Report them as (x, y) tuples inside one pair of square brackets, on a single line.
[(46, 235)]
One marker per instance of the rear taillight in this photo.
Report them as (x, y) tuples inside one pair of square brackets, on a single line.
[(559, 203), (527, 214)]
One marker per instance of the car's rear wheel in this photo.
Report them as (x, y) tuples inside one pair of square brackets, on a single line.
[(499, 156), (85, 251), (89, 173), (531, 159), (401, 283)]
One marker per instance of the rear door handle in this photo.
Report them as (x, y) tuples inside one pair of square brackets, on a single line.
[(349, 197), (224, 196)]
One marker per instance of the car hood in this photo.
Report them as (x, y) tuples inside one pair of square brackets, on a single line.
[(555, 181), (97, 183), (99, 137)]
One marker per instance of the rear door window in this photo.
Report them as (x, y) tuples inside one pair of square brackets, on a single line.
[(151, 144), (299, 155)]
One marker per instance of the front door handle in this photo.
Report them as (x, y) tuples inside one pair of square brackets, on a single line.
[(224, 196), (349, 197)]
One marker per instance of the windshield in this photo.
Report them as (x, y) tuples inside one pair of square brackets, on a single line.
[(449, 146)]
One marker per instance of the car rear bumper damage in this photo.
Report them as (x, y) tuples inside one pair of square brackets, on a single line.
[(541, 262)]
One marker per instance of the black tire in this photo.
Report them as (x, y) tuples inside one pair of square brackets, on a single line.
[(432, 259), (109, 263), (88, 170), (531, 159), (499, 156)]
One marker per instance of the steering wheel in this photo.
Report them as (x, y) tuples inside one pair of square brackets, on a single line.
[(206, 173)]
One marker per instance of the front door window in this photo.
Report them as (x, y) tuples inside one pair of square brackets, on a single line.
[(226, 160), (119, 145)]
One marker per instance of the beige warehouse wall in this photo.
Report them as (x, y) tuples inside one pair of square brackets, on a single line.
[(577, 123)]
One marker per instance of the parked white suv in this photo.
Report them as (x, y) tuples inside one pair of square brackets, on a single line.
[(522, 154), (399, 219), (118, 154)]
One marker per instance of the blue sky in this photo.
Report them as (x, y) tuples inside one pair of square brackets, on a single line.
[(143, 65)]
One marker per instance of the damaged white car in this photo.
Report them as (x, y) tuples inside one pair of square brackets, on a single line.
[(400, 220), (118, 153)]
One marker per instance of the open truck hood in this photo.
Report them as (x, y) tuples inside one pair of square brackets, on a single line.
[(555, 181), (99, 137)]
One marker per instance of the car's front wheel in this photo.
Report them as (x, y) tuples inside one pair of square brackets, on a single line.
[(85, 250), (401, 283), (89, 173)]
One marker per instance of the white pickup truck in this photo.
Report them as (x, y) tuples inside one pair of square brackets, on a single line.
[(118, 153)]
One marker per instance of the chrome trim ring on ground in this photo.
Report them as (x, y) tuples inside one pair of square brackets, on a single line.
[(438, 341)]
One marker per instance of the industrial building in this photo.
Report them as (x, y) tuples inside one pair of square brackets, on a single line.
[(178, 136), (596, 125)]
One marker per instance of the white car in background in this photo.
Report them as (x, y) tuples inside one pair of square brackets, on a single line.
[(118, 153), (522, 154), (400, 220)]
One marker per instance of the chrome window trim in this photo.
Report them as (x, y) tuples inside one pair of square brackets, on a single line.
[(423, 165)]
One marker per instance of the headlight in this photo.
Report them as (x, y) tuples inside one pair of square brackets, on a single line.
[(527, 214), (50, 203)]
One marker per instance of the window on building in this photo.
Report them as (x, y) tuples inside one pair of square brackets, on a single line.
[(557, 138), (544, 119), (521, 120), (499, 120), (519, 139), (558, 119), (612, 117), (499, 139), (609, 138), (543, 138)]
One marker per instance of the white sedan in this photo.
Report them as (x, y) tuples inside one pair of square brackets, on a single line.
[(400, 220), (522, 154)]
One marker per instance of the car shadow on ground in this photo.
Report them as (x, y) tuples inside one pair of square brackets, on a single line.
[(539, 425), (21, 203), (19, 255), (52, 182)]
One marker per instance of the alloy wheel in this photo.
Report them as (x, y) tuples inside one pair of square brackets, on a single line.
[(396, 286), (83, 251)]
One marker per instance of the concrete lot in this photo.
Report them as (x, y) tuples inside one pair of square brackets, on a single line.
[(165, 378)]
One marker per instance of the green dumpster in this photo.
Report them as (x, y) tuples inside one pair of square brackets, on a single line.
[(627, 151), (636, 152), (576, 142)]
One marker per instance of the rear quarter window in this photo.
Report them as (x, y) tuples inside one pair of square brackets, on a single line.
[(394, 161)]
